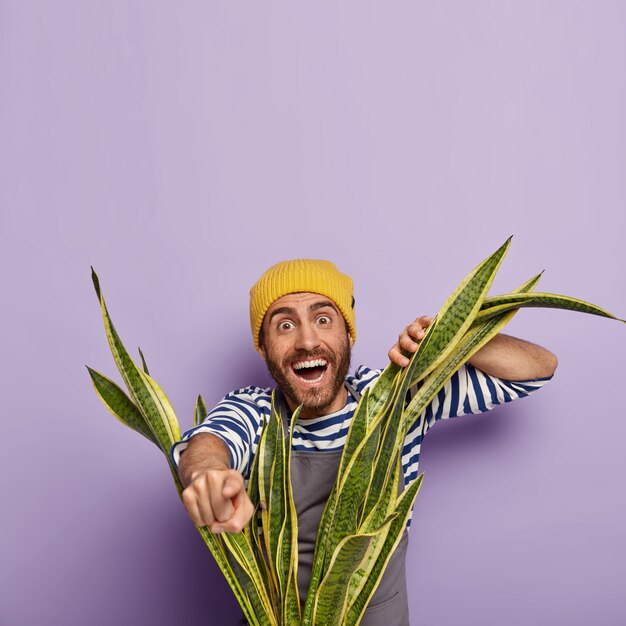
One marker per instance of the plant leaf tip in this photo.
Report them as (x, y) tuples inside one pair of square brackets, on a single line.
[(96, 282), (506, 245)]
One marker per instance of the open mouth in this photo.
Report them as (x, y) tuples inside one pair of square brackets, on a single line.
[(311, 371)]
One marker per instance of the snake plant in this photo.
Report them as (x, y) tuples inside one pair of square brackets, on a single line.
[(352, 551)]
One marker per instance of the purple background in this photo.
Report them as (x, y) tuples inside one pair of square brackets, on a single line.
[(182, 148)]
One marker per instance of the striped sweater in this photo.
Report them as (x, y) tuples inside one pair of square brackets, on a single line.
[(239, 416)]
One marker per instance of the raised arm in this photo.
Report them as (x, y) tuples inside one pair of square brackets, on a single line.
[(504, 356), (511, 358)]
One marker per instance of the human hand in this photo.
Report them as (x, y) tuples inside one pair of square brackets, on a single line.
[(409, 340), (217, 498)]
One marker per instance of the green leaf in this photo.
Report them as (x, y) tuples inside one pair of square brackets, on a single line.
[(473, 341), (476, 337), (356, 432), (240, 557), (523, 291), (291, 613), (276, 503), (391, 442), (251, 529), (352, 490), (448, 329), (144, 391), (455, 316), (330, 599), (266, 449), (525, 287), (517, 294), (514, 303), (200, 411), (218, 550), (160, 409), (549, 300), (382, 392), (449, 326), (365, 581), (143, 362), (386, 502), (120, 404)]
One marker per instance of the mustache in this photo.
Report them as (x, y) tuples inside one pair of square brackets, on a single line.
[(298, 355)]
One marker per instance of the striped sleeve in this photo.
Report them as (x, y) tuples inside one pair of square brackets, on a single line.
[(471, 391), (468, 391), (237, 420)]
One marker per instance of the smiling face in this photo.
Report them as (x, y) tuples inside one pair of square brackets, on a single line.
[(307, 350)]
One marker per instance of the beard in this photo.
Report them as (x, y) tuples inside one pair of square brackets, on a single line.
[(316, 400)]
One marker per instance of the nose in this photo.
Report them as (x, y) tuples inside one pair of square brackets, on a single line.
[(307, 338)]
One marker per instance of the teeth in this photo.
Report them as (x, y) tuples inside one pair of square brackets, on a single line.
[(313, 363)]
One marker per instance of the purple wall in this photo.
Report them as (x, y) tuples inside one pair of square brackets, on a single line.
[(182, 148)]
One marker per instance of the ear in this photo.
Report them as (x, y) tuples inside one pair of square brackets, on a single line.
[(261, 352), (351, 341)]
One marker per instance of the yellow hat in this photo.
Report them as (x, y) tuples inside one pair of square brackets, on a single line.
[(296, 276)]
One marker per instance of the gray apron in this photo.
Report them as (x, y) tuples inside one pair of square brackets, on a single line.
[(313, 475)]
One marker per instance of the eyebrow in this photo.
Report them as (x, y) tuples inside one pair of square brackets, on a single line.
[(287, 310)]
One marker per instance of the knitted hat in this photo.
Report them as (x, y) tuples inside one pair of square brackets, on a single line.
[(297, 276)]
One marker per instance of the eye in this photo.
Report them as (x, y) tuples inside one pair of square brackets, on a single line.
[(285, 325), (324, 320)]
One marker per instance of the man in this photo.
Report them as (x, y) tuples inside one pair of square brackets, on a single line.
[(303, 326)]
